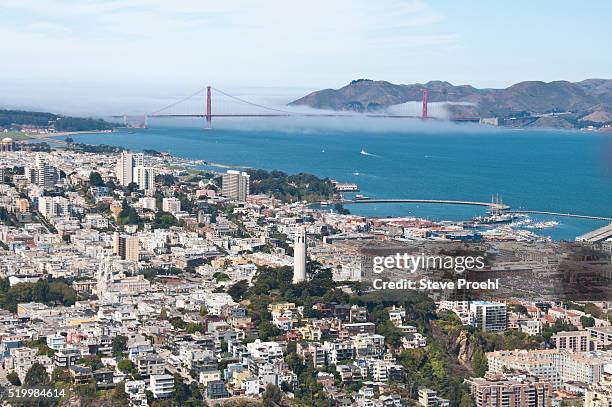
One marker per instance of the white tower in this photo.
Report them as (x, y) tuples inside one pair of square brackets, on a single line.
[(125, 167), (299, 255)]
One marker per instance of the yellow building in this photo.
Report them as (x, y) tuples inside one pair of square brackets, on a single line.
[(281, 307), (22, 205)]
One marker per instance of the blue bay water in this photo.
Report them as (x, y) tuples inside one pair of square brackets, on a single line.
[(549, 170)]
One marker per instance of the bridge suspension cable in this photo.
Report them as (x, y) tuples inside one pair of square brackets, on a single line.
[(178, 102), (253, 104)]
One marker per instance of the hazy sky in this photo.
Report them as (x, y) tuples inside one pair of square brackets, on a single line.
[(156, 45)]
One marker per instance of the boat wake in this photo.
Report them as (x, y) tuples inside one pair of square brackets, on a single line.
[(363, 152)]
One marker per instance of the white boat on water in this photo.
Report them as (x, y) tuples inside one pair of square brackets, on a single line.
[(546, 225)]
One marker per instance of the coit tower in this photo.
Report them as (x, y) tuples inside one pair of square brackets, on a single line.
[(299, 255)]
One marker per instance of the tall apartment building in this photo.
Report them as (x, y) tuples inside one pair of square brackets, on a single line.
[(145, 178), (126, 246), (172, 205), (125, 167), (299, 255), (602, 334), (577, 341), (500, 390), (555, 366), (52, 206), (489, 316), (235, 185), (147, 202), (42, 174)]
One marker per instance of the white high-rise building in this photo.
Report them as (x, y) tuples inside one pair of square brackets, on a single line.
[(42, 174), (52, 206), (125, 167), (147, 202), (235, 185), (299, 255), (145, 178), (172, 205)]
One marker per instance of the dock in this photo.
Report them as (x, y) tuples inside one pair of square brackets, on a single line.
[(597, 235), (495, 206), (567, 215)]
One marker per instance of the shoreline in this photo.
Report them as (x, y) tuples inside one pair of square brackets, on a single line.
[(198, 162), (76, 133)]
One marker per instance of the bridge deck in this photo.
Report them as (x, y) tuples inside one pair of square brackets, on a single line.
[(380, 116)]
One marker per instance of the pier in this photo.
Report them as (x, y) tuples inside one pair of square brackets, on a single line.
[(495, 206), (566, 215), (597, 235)]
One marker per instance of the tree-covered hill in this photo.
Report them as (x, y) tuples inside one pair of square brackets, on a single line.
[(18, 118)]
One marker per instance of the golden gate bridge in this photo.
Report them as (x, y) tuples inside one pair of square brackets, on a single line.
[(193, 106)]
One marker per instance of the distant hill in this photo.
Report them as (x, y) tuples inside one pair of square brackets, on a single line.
[(588, 101)]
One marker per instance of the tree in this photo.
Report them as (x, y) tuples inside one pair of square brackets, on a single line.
[(37, 376), (520, 309), (93, 361), (587, 322), (466, 401), (193, 327), (219, 276), (178, 323), (40, 292), (267, 330), (13, 378), (392, 334), (132, 187), (61, 375), (125, 366), (165, 179), (238, 290), (119, 396), (95, 179), (119, 345), (132, 217), (271, 396), (479, 363), (164, 220)]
